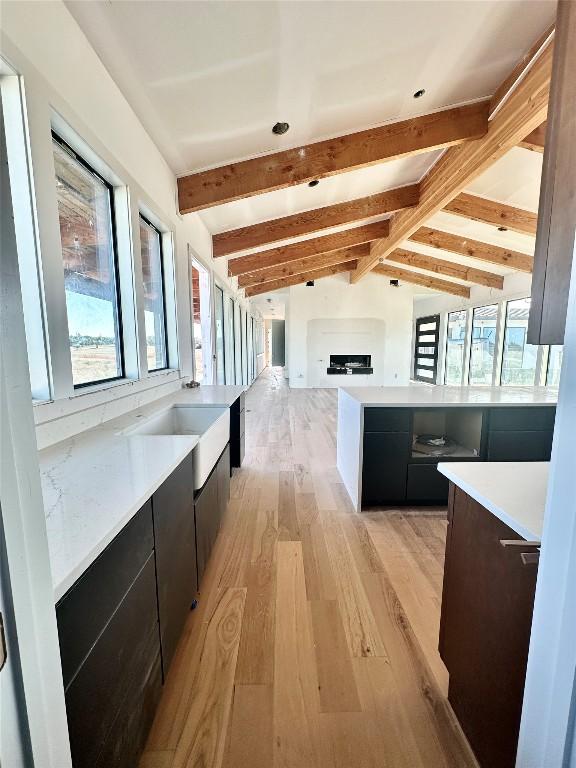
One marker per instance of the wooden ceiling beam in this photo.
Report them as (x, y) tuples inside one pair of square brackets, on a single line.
[(535, 140), (303, 265), (307, 222), (304, 277), (448, 268), (313, 247), (491, 212), (415, 278), (327, 158), (523, 110), (473, 249)]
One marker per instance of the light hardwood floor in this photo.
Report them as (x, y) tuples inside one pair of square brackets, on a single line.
[(314, 642)]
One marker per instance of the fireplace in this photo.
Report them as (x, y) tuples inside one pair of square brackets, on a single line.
[(348, 365)]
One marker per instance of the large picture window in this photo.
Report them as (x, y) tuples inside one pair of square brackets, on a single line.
[(86, 211), (483, 346), (518, 358), (154, 300), (455, 346), (426, 348)]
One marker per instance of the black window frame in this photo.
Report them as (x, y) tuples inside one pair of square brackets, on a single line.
[(81, 161), (159, 233), (426, 356)]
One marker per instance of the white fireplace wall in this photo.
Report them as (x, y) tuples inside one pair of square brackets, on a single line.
[(334, 317)]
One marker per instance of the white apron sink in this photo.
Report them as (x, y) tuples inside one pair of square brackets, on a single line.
[(210, 425)]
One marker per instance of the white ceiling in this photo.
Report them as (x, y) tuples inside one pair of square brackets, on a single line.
[(209, 79)]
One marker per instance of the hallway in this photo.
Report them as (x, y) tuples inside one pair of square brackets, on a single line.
[(314, 641)]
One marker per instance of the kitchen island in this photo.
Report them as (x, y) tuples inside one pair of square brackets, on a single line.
[(386, 449), (495, 520)]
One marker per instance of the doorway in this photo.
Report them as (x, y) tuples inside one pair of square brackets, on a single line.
[(278, 343)]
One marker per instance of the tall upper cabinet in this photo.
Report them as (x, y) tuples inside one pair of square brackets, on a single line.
[(557, 209)]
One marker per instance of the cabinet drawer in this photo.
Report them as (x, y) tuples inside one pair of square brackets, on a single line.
[(104, 691), (86, 608), (519, 446), (387, 419), (425, 483), (519, 419), (384, 467), (128, 735)]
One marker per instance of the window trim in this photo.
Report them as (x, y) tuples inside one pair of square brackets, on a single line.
[(164, 308), (120, 328)]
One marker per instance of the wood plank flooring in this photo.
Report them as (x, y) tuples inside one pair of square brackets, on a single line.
[(314, 642)]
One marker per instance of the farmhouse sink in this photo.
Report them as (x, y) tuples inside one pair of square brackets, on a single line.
[(211, 425)]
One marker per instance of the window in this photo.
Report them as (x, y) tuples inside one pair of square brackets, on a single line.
[(554, 365), (201, 322), (426, 348), (483, 344), (154, 302), (519, 358), (220, 356), (86, 211), (455, 344)]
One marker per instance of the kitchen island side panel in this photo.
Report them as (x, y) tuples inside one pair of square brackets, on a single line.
[(349, 445)]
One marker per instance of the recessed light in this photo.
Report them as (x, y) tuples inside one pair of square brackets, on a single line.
[(314, 183), (502, 229), (280, 128), (419, 93)]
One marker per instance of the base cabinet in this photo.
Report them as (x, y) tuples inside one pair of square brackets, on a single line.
[(210, 505), (112, 697), (487, 604), (393, 474), (175, 548)]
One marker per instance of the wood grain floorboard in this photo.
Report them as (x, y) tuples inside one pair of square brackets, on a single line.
[(314, 644)]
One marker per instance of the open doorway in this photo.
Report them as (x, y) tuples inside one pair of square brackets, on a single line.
[(201, 321)]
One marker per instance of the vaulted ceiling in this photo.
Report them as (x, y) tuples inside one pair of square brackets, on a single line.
[(209, 79)]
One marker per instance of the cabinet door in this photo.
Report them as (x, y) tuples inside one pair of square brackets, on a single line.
[(426, 484), (384, 467), (175, 543), (116, 689), (223, 484), (557, 208), (206, 512), (519, 446), (87, 607), (487, 605)]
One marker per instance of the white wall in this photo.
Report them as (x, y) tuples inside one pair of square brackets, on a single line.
[(335, 317), (64, 79)]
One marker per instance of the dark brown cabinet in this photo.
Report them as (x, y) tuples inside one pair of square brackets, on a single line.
[(175, 545), (392, 473), (110, 650), (487, 604), (120, 623), (210, 505), (557, 207)]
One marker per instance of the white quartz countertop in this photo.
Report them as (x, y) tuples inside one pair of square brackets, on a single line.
[(417, 395), (513, 491), (94, 483)]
